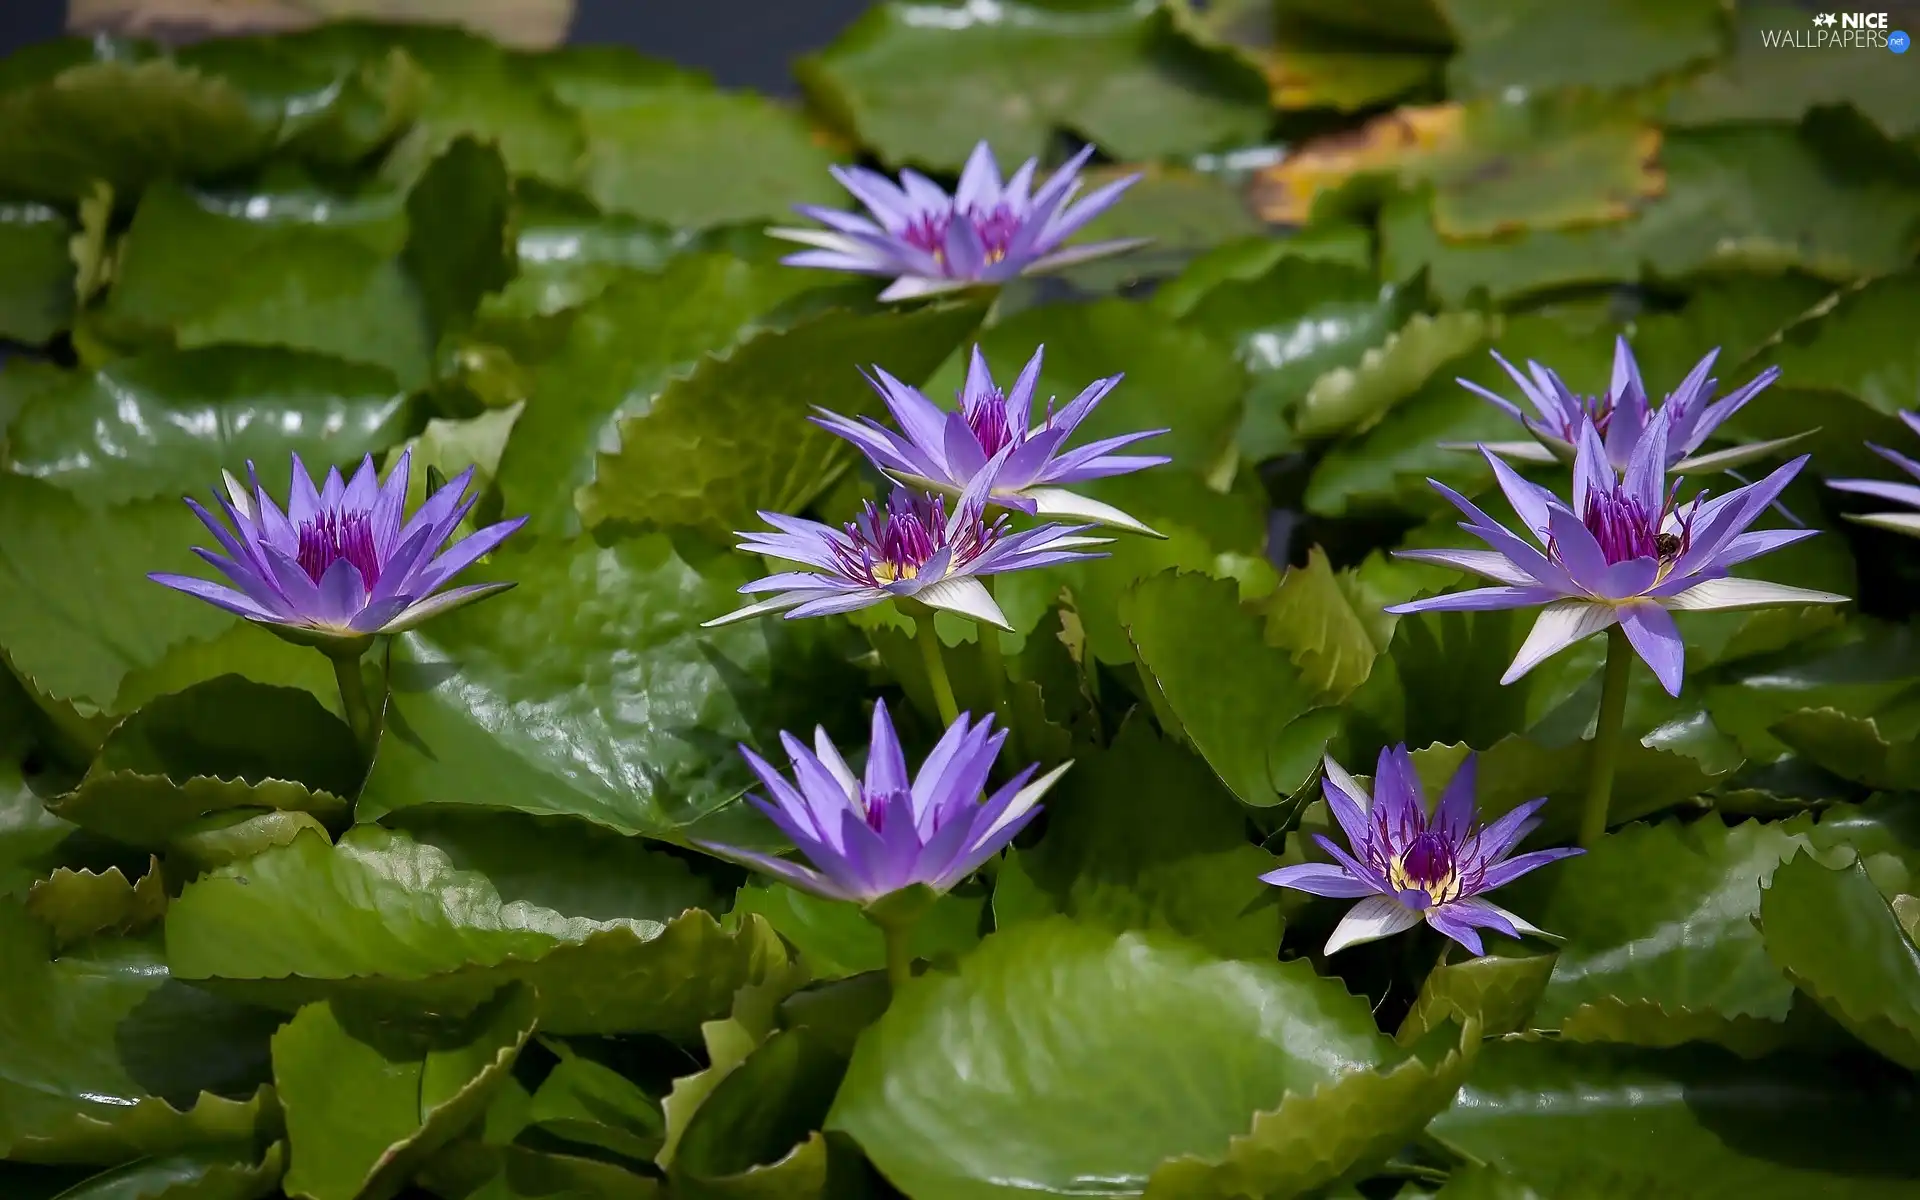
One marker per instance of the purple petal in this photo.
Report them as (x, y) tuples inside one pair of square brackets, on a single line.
[(422, 611), (217, 594), (1319, 879), (1657, 640), (465, 553), (1501, 874), (886, 762), (1453, 819), (302, 500), (1477, 600), (342, 594)]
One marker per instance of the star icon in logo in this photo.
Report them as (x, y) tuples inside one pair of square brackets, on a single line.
[(1823, 19)]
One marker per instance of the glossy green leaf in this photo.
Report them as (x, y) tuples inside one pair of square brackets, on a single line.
[(523, 1174), (923, 83), (37, 299), (383, 914), (1623, 43), (368, 1100), (835, 939), (603, 697), (1834, 935), (1758, 82), (583, 1101), (1331, 622), (1249, 258), (226, 837), (728, 1041), (757, 1134), (1658, 921), (620, 351), (1067, 1058), (1354, 398), (1866, 672), (1306, 65), (242, 649), (733, 437), (569, 252), (1847, 347), (167, 423), (199, 276), (215, 1173), (76, 905), (1183, 212), (1850, 747), (77, 612), (1235, 698), (103, 1057), (1695, 1122), (126, 122), (1142, 836), (458, 244), (224, 744), (1497, 993)]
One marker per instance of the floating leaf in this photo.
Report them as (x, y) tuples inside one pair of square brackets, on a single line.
[(756, 1134), (1391, 145), (923, 83), (1623, 43), (37, 299), (835, 939), (591, 691), (214, 1173), (733, 438), (1833, 933), (457, 245), (1305, 66), (167, 423), (1850, 747), (583, 1101), (1497, 993), (79, 904), (1353, 399), (381, 914), (367, 1101)]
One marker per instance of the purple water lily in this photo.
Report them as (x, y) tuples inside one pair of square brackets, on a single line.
[(987, 232), (910, 549), (944, 449), (1623, 414), (1621, 552), (1900, 493), (339, 566), (870, 836), (1411, 865)]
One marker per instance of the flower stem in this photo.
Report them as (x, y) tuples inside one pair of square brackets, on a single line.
[(936, 669), (1606, 737), (353, 699), (899, 958)]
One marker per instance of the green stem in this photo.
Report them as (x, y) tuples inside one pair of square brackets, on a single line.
[(899, 958), (353, 699), (995, 665), (936, 668), (1606, 737)]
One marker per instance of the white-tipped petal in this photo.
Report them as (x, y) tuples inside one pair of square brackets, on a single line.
[(1735, 456), (1717, 594), (237, 492), (968, 597), (825, 239), (1560, 624), (1520, 923), (777, 604), (1345, 781), (1025, 799), (1907, 523), (913, 287), (1532, 452), (1059, 502), (1370, 920)]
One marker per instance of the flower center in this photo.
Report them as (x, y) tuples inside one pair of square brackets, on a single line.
[(1626, 530), (332, 535), (996, 229), (1427, 866), (885, 545), (875, 804), (987, 417)]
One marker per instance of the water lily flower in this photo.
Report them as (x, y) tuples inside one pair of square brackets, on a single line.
[(943, 449), (910, 549), (339, 566), (987, 232), (1900, 493), (1411, 865), (869, 836), (1624, 412), (1622, 552)]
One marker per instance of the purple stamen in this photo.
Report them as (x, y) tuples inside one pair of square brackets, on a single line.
[(1429, 861), (996, 230), (894, 543), (333, 535), (987, 417)]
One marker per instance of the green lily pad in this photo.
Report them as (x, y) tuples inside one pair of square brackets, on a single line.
[(1833, 933), (569, 252), (1695, 1122), (835, 939), (583, 1101), (522, 1174), (1846, 348), (458, 244), (1182, 212), (37, 299), (1497, 993), (1306, 64), (168, 422), (1355, 398), (224, 744), (923, 83), (757, 1134), (244, 649), (228, 837), (603, 697), (76, 905), (1763, 82), (1623, 43), (125, 122), (77, 612), (367, 1101), (728, 1041), (275, 927), (1738, 198), (733, 437), (1143, 836), (1850, 747), (1067, 1057), (199, 276), (1659, 920), (1866, 672), (1216, 680), (1250, 258), (214, 1173), (620, 351), (106, 1058)]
